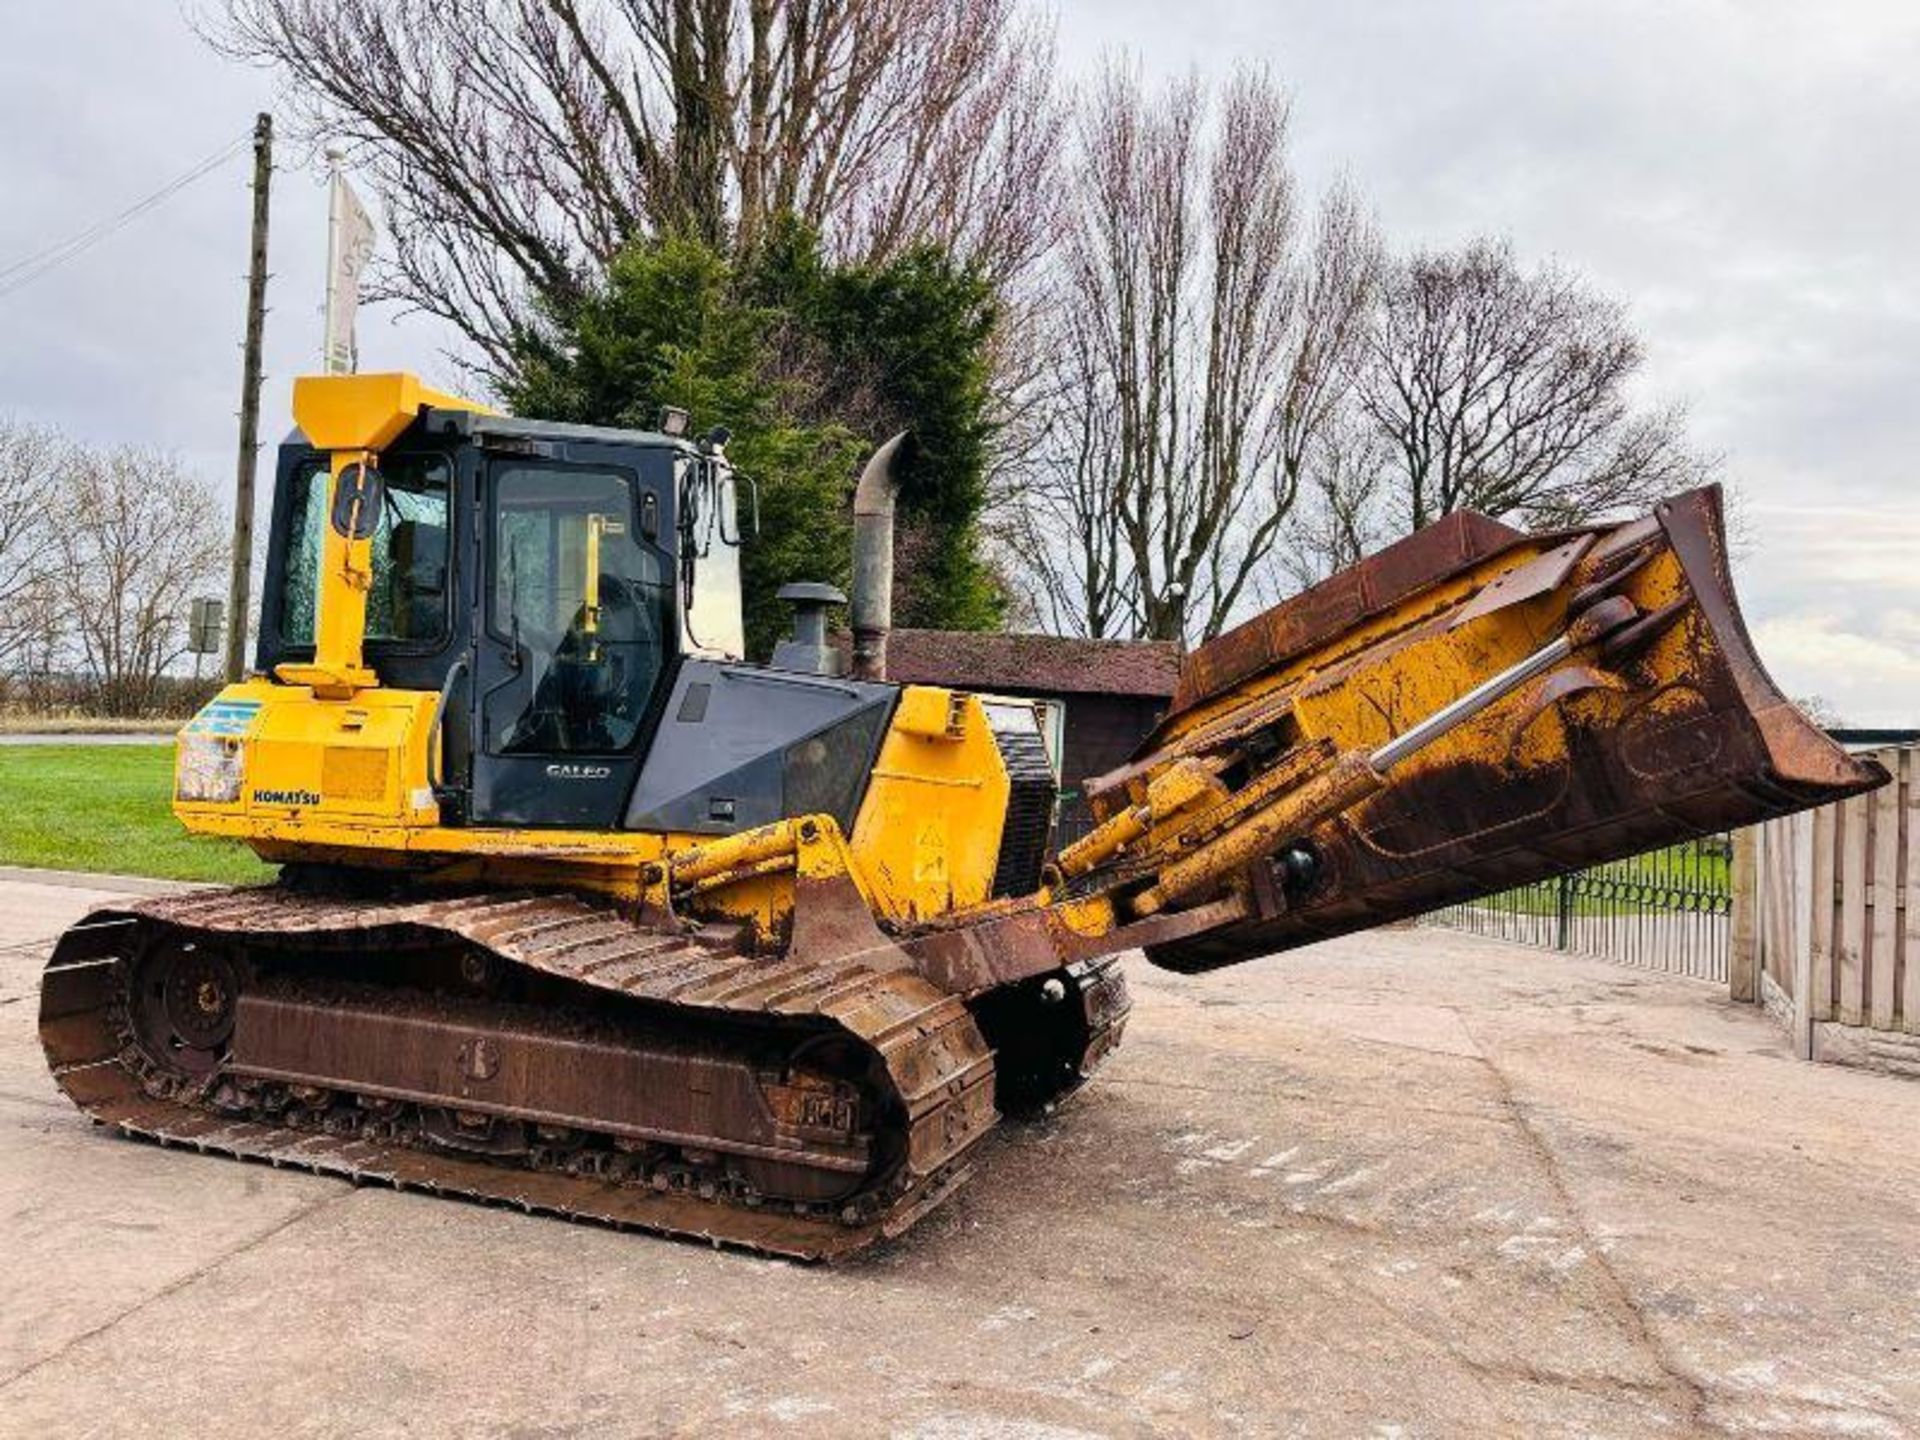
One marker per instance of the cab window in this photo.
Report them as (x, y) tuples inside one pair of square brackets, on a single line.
[(407, 601), (584, 603)]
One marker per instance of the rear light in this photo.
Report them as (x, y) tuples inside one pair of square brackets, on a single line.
[(208, 768)]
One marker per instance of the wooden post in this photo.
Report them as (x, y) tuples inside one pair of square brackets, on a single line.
[(1909, 780), (1802, 829), (1743, 956), (1823, 847), (1883, 903), (1850, 932), (242, 567)]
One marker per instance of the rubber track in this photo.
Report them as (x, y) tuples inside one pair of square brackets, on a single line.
[(941, 1068)]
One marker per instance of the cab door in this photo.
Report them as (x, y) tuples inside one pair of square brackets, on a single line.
[(574, 636)]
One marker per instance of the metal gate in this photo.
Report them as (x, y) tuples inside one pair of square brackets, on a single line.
[(1668, 909)]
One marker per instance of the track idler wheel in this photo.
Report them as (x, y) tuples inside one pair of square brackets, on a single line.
[(183, 1000)]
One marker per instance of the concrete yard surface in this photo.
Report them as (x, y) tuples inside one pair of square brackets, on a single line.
[(1405, 1184)]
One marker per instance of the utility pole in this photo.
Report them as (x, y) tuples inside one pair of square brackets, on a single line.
[(238, 583)]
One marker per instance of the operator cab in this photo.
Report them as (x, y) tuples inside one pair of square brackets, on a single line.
[(544, 579)]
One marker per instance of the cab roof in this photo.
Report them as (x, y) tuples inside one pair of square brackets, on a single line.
[(481, 427)]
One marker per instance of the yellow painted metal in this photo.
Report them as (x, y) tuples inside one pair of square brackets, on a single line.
[(338, 669), (335, 767), (1090, 915), (929, 712), (346, 781), (1180, 786), (743, 851), (1329, 708), (366, 412), (359, 761), (1424, 661), (352, 417), (751, 876), (1290, 815), (927, 837), (590, 600)]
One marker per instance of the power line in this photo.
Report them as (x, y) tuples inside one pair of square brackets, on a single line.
[(29, 268), (58, 253)]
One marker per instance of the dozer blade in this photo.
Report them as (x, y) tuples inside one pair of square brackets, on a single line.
[(1661, 728)]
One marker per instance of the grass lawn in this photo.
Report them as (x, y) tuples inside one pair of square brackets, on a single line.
[(105, 807)]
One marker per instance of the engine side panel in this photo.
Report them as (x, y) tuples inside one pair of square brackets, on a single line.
[(740, 746)]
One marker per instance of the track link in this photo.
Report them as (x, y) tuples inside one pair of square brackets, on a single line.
[(938, 1070)]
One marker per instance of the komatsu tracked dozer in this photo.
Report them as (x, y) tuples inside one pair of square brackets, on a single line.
[(579, 911)]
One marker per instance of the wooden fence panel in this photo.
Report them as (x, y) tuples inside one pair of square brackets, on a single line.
[(1743, 950), (1799, 928), (1851, 927), (1910, 890), (1834, 923)]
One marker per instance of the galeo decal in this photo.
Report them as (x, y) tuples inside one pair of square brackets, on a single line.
[(578, 772), (285, 797)]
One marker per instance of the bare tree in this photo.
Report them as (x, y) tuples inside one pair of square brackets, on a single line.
[(29, 459), (138, 537), (1338, 519), (1203, 336), (517, 144), (1821, 711), (1507, 392), (1053, 515)]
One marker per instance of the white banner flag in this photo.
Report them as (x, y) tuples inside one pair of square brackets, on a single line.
[(350, 240)]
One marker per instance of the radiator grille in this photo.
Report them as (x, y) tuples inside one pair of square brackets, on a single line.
[(1025, 836)]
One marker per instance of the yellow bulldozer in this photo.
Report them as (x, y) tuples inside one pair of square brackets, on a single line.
[(581, 912)]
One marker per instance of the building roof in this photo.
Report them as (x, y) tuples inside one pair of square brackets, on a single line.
[(1034, 664)]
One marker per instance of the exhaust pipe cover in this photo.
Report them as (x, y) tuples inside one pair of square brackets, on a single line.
[(872, 602)]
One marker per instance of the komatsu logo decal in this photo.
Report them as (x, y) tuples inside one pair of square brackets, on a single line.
[(579, 772), (285, 797)]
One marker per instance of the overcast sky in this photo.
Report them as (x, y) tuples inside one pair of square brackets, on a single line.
[(1743, 173)]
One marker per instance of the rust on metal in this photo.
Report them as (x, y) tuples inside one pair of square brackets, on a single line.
[(805, 1104), (1542, 575), (1656, 755), (1467, 711), (1358, 593)]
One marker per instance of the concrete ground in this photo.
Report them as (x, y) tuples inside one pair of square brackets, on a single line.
[(1406, 1184)]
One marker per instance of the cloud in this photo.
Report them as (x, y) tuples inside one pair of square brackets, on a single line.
[(1869, 677), (1903, 627), (138, 340), (1843, 556), (1740, 174)]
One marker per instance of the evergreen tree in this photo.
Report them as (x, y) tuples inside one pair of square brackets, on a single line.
[(810, 366)]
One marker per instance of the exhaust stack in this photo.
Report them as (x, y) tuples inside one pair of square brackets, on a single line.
[(872, 607)]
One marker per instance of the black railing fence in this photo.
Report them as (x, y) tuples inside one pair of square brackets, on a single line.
[(1669, 909)]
